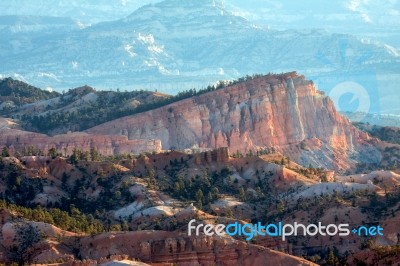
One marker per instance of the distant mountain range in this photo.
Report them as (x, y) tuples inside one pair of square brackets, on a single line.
[(175, 45), (374, 119), (371, 18)]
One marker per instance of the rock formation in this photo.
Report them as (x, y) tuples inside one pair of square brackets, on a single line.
[(180, 249), (279, 111), (17, 140), (220, 155)]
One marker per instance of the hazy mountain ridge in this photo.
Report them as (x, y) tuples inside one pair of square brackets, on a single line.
[(74, 110), (382, 120), (385, 133), (349, 16), (14, 93), (171, 46)]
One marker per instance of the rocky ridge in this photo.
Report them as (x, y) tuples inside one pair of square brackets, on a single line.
[(284, 112), (17, 140)]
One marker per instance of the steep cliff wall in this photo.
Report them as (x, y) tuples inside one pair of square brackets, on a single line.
[(179, 249), (279, 111), (17, 140)]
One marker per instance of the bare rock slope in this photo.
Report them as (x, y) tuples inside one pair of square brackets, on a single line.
[(18, 140), (285, 112)]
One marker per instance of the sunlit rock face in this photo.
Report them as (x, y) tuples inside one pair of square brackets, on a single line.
[(18, 141), (285, 112)]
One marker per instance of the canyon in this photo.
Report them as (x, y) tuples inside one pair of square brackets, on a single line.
[(148, 216), (180, 125), (268, 142)]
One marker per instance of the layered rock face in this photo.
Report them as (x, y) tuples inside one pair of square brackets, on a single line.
[(180, 249), (18, 140), (279, 111)]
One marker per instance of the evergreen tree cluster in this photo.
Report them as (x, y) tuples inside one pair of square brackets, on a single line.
[(75, 221), (20, 92)]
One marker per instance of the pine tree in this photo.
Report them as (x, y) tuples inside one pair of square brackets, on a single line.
[(242, 194), (86, 156), (151, 179), (332, 259), (26, 237), (5, 152), (52, 152), (209, 197), (251, 154), (75, 156), (94, 154), (281, 207), (200, 198)]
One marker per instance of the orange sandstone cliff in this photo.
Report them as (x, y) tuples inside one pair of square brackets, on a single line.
[(284, 112), (17, 140)]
